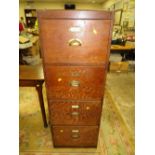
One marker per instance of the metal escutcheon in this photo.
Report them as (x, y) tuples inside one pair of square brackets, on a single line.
[(75, 83), (75, 134), (75, 106)]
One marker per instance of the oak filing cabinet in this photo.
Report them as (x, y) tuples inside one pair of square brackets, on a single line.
[(75, 49)]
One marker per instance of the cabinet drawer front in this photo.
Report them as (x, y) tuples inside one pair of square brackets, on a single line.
[(80, 136), (74, 41), (75, 82), (75, 113)]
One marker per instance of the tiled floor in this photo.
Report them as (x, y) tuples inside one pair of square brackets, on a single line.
[(113, 136)]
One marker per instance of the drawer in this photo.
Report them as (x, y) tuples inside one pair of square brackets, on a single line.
[(75, 82), (74, 41), (75, 113), (80, 136)]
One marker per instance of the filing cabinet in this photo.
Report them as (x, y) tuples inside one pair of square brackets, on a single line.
[(75, 48)]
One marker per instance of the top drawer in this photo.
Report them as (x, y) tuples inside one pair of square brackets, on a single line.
[(74, 41)]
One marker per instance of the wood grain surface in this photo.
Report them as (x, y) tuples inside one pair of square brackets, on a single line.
[(31, 72), (59, 78), (93, 35), (74, 112), (77, 136), (75, 48)]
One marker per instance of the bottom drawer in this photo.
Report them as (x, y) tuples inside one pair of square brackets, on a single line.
[(75, 136)]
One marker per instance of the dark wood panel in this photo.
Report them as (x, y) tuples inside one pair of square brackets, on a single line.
[(77, 136), (74, 113), (31, 72), (75, 82), (30, 83), (74, 14), (61, 45)]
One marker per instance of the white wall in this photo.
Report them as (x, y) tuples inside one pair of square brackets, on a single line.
[(21, 9), (107, 4), (128, 14)]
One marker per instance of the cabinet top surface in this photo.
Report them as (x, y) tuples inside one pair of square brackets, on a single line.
[(74, 14)]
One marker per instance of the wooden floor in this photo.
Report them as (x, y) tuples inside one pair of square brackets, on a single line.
[(116, 136)]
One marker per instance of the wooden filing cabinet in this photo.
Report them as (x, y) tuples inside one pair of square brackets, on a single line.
[(75, 48)]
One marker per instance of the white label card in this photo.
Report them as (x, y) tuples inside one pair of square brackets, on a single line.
[(75, 29)]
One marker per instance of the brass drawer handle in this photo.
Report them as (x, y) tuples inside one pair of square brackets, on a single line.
[(75, 113), (75, 134), (75, 42), (75, 83)]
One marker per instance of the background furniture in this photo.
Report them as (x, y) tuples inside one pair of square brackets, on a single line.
[(75, 49), (28, 51), (32, 76), (127, 51), (127, 61), (31, 17)]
